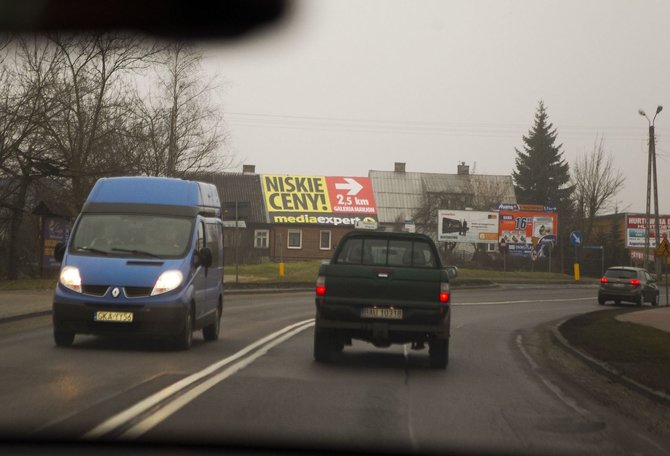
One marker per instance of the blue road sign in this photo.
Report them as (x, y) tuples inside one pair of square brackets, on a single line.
[(576, 238)]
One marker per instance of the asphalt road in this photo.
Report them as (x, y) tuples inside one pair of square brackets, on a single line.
[(263, 387)]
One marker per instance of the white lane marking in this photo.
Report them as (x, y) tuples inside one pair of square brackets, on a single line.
[(558, 392), (131, 413), (173, 406), (525, 301)]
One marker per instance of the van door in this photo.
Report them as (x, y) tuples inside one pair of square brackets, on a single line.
[(200, 278), (214, 239)]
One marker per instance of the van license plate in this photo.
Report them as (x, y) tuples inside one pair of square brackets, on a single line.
[(123, 317), (381, 312)]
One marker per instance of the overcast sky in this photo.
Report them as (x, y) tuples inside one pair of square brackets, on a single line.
[(349, 85)]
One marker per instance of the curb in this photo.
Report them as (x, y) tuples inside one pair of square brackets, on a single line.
[(608, 370)]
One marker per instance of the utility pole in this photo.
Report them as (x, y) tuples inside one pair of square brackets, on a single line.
[(651, 168)]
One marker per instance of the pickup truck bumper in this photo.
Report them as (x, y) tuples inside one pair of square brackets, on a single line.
[(384, 333)]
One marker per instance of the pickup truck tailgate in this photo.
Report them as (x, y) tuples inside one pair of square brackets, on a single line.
[(351, 288)]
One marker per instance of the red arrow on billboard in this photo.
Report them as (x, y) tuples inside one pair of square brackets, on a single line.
[(350, 184)]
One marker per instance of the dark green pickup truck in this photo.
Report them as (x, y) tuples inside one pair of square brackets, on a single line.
[(384, 288)]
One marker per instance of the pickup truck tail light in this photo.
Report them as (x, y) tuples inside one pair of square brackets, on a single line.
[(604, 280), (321, 286), (444, 292), (635, 282)]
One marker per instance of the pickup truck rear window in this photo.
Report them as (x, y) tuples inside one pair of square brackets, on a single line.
[(620, 274), (387, 252)]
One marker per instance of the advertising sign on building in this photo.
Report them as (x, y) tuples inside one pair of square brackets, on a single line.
[(467, 226), (636, 229), (319, 200), (526, 232)]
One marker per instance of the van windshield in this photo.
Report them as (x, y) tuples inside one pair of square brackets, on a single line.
[(132, 235)]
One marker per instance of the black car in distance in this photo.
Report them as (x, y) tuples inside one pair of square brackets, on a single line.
[(624, 283)]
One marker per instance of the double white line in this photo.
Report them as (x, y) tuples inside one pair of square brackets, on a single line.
[(145, 415)]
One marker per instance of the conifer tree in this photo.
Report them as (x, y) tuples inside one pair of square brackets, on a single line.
[(542, 176)]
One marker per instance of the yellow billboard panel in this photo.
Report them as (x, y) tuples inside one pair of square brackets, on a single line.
[(296, 193)]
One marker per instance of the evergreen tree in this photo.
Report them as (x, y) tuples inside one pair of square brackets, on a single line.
[(542, 175)]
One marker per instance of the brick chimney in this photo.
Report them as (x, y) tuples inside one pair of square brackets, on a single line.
[(399, 167), (249, 169), (463, 169)]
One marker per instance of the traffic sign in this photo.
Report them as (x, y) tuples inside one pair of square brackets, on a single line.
[(576, 238), (664, 248)]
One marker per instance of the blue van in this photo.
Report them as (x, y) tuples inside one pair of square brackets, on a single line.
[(146, 258)]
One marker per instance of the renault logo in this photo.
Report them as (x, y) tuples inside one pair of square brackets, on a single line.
[(116, 292)]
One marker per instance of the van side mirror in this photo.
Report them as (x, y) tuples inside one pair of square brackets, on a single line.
[(452, 272), (204, 257), (59, 252)]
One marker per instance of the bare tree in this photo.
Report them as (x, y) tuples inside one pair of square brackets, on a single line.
[(26, 77), (183, 131), (93, 125), (596, 182)]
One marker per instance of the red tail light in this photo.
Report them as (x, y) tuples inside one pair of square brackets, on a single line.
[(444, 292), (604, 280), (635, 282), (321, 286)]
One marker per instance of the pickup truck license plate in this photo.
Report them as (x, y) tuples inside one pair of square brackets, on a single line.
[(123, 317), (381, 312), (618, 285)]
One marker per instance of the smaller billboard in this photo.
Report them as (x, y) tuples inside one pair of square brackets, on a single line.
[(528, 233), (54, 230), (467, 226), (636, 229)]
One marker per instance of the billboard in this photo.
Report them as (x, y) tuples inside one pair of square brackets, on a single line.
[(54, 230), (636, 229), (318, 200), (528, 233), (467, 226)]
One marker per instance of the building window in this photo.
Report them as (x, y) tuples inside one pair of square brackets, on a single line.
[(324, 240), (294, 239), (261, 239)]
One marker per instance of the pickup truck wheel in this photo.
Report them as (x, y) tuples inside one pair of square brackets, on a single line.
[(211, 332), (601, 301), (323, 345), (438, 351), (63, 338)]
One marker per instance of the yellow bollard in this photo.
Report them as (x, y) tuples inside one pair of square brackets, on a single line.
[(577, 272), (281, 269)]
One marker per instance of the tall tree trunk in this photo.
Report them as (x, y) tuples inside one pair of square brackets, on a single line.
[(13, 258)]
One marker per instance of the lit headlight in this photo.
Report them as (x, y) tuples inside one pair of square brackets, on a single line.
[(70, 278), (168, 281)]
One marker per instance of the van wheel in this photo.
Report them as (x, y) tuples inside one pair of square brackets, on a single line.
[(323, 345), (438, 352), (63, 338), (185, 337), (211, 332)]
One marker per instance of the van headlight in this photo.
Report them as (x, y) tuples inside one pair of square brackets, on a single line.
[(168, 281), (70, 278)]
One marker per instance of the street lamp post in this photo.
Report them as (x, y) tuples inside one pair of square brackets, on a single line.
[(651, 168)]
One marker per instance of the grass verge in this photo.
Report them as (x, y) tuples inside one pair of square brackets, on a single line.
[(28, 284), (639, 352), (306, 271)]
